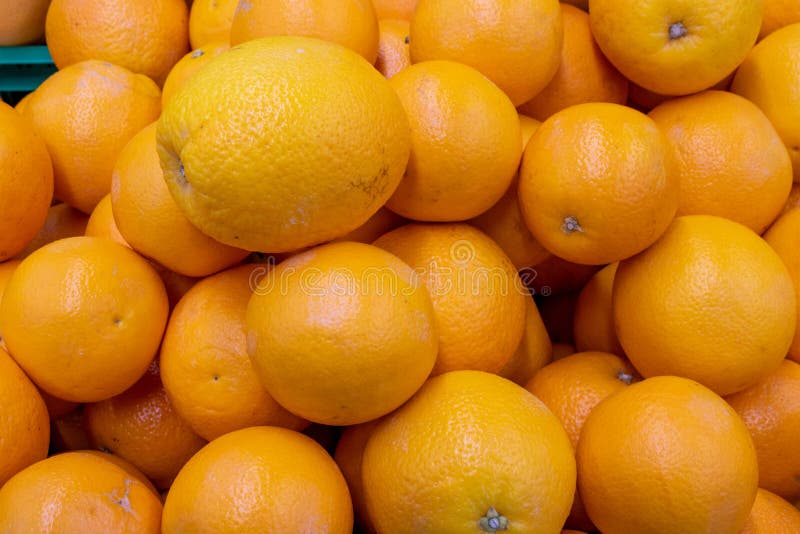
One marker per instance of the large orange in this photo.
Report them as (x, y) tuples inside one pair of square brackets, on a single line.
[(534, 350), (83, 317), (86, 113), (593, 322), (666, 455), (145, 36), (62, 221), (394, 9), (771, 411), (260, 479), (211, 20), (204, 363), (393, 49), (23, 23), (349, 454), (477, 295), (784, 238), (514, 43), (342, 333), (730, 160), (584, 74), (256, 175), (78, 492), (777, 14), (102, 224), (771, 515), (503, 457), (710, 301), (768, 77), (596, 183), (675, 47), (465, 142), (26, 182), (350, 23), (25, 425), (188, 65), (152, 223)]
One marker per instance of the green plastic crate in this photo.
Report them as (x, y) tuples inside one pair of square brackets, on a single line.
[(23, 69)]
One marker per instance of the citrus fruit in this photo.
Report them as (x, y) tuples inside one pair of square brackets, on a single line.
[(342, 333), (211, 20), (350, 23), (205, 368), (776, 14), (506, 459), (393, 54), (23, 23), (666, 455), (102, 224), (394, 9), (348, 455), (83, 317), (770, 515), (596, 183), (26, 182), (478, 298), (281, 480), (784, 238), (593, 322), (255, 177), (188, 65), (534, 350), (710, 301), (674, 47), (57, 407), (62, 221), (126, 466), (145, 36), (514, 43), (85, 113), (793, 202)]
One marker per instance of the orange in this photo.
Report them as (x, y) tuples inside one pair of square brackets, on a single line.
[(145, 36), (555, 276), (393, 50), (784, 238), (141, 426), (562, 350), (777, 14), (502, 457), (348, 455), (188, 65), (593, 322), (23, 23), (26, 182), (102, 224), (534, 350), (674, 47), (584, 74), (394, 9), (7, 268), (465, 142), (771, 515), (56, 407), (152, 223), (666, 455), (381, 222), (86, 113), (596, 183), (342, 333), (176, 284), (514, 43), (793, 202), (350, 23), (766, 78), (62, 221), (125, 465), (771, 411), (730, 160), (478, 298), (255, 176), (211, 20), (710, 301), (83, 317), (205, 368), (78, 492), (280, 479), (25, 425)]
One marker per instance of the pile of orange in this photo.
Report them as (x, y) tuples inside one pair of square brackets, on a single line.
[(402, 266)]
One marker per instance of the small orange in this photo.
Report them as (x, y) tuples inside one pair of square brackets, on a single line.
[(62, 221), (504, 461), (86, 113), (393, 53), (710, 301), (280, 480), (593, 323), (176, 284), (771, 411), (188, 65), (7, 268), (584, 74), (57, 407), (596, 183), (666, 455), (394, 9), (23, 23), (349, 454), (25, 425), (784, 238), (210, 21), (478, 298), (150, 220), (465, 142), (204, 363), (730, 161), (78, 492), (145, 36), (514, 43), (534, 350), (777, 14), (771, 515), (83, 317), (350, 23), (342, 333), (102, 224)]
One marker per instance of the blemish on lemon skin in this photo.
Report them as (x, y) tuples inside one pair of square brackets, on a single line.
[(493, 521), (677, 30), (123, 501), (571, 225), (197, 53)]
